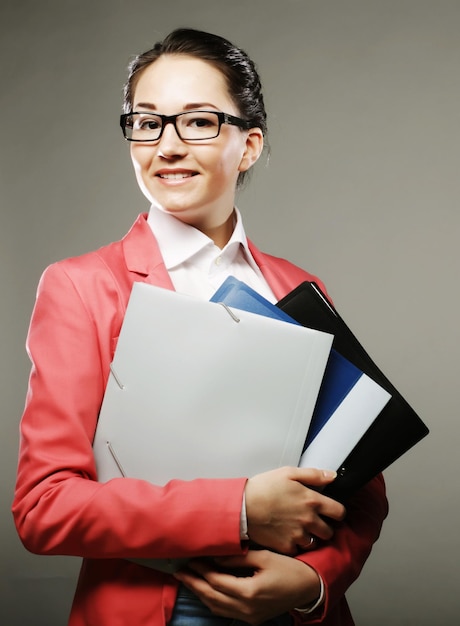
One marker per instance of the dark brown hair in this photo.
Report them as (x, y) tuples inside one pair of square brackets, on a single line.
[(242, 78)]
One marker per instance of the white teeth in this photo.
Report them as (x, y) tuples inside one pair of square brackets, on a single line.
[(175, 175)]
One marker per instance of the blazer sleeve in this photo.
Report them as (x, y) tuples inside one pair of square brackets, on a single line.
[(340, 561), (59, 507)]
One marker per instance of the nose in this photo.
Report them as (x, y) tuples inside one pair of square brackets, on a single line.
[(170, 144)]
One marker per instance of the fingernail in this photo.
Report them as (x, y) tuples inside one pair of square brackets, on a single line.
[(329, 474)]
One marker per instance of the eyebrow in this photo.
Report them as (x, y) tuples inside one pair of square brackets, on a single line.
[(187, 107)]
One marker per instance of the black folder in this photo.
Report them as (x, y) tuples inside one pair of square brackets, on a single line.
[(397, 428)]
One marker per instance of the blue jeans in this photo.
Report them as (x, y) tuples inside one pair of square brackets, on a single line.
[(190, 611)]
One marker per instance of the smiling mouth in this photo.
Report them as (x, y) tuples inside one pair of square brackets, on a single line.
[(176, 175)]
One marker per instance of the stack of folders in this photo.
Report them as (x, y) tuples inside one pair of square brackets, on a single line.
[(361, 423), (200, 390)]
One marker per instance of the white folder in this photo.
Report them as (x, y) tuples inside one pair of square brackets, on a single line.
[(198, 390)]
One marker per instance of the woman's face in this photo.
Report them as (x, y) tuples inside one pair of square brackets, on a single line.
[(195, 182)]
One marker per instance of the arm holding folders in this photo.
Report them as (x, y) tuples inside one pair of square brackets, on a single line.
[(348, 401), (397, 429)]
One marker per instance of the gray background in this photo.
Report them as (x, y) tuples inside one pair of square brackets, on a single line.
[(362, 187)]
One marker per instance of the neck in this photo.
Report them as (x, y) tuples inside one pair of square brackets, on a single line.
[(220, 234)]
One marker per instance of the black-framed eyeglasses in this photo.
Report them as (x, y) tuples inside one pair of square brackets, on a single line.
[(190, 126)]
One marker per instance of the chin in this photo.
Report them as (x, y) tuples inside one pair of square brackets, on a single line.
[(184, 214)]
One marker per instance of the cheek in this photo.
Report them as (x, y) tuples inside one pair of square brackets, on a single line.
[(140, 157), (230, 159), (140, 160)]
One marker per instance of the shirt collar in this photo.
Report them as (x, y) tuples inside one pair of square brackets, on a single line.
[(179, 242)]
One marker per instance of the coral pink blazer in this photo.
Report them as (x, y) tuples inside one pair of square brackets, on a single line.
[(60, 508)]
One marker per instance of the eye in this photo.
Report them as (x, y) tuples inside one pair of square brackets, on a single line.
[(146, 122), (201, 120)]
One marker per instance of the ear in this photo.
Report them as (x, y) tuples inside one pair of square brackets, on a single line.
[(253, 149)]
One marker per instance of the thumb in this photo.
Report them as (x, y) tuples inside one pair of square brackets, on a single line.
[(312, 477)]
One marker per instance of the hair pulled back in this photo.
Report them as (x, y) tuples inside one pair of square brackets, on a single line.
[(240, 72)]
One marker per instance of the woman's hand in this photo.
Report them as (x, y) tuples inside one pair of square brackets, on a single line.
[(278, 584), (283, 513)]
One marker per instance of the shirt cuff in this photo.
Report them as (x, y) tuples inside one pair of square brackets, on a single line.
[(317, 603), (244, 521)]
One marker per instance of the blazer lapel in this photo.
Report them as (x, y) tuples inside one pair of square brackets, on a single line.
[(280, 282), (143, 256)]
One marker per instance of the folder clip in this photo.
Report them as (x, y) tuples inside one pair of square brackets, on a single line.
[(117, 380), (230, 312), (116, 459)]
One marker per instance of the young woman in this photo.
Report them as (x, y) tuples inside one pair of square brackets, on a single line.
[(195, 121)]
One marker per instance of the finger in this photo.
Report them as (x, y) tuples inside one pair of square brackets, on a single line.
[(320, 528), (190, 579), (211, 582), (335, 512), (206, 583), (200, 587), (214, 573), (219, 599), (330, 509)]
